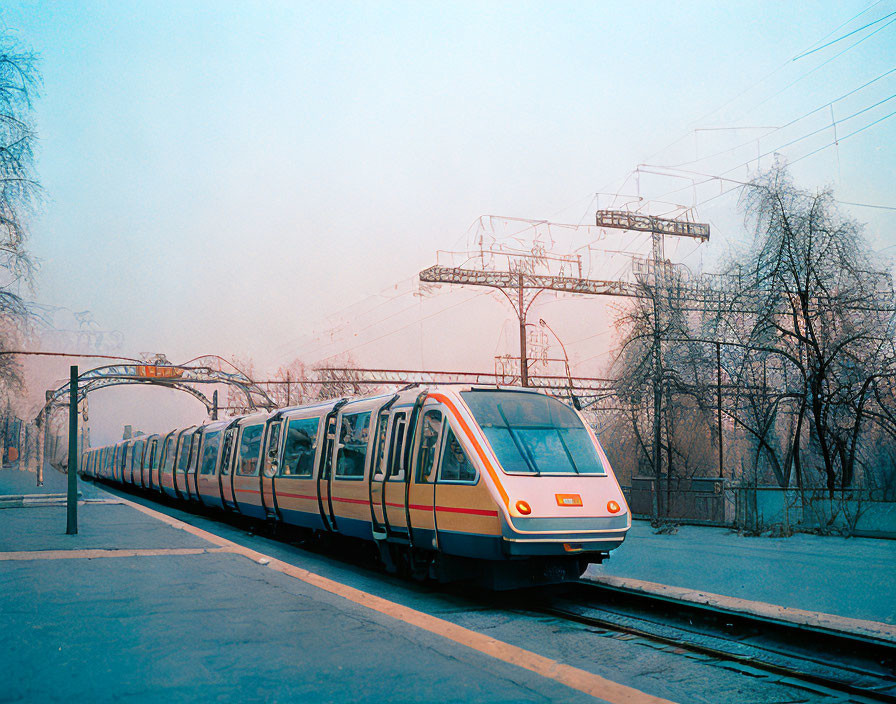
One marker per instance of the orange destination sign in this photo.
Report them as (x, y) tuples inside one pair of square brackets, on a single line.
[(568, 499), (153, 371)]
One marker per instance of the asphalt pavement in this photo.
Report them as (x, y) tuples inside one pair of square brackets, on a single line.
[(151, 603)]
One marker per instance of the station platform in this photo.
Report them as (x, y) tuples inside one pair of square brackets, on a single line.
[(139, 605), (854, 578), (151, 603)]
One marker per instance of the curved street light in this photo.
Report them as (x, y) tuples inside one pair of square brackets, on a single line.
[(575, 400)]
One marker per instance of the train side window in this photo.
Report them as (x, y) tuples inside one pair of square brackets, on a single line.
[(168, 463), (183, 452), (456, 466), (329, 439), (194, 453), (250, 448), (149, 455), (429, 446), (396, 471), (380, 457), (272, 449), (227, 454), (156, 453), (298, 450), (354, 434), (210, 452), (137, 459)]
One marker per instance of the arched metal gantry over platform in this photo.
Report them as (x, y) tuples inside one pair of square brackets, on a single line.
[(159, 371)]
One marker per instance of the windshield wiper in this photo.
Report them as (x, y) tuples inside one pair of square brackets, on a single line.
[(568, 453), (530, 462)]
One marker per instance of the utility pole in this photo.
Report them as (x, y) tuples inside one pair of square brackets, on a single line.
[(3, 436), (719, 404), (657, 411), (649, 286), (521, 312), (72, 502)]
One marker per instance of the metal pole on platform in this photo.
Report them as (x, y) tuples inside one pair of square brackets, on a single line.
[(72, 527)]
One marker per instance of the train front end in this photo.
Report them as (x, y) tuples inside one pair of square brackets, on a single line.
[(562, 507)]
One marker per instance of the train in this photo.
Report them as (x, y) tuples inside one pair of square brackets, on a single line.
[(504, 487)]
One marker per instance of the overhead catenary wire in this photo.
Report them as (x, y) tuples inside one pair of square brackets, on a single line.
[(722, 176), (821, 65), (314, 346), (841, 38), (758, 82), (366, 313), (789, 124), (404, 327), (765, 78)]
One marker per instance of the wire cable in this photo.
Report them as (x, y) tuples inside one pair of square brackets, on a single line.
[(848, 34)]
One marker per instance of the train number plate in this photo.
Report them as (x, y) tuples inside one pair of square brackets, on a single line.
[(568, 499)]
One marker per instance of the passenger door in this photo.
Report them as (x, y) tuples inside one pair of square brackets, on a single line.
[(147, 464), (225, 480), (193, 466), (464, 507), (325, 503), (270, 466), (246, 490), (394, 489), (348, 489), (296, 488), (378, 471), (184, 443), (421, 501), (207, 484)]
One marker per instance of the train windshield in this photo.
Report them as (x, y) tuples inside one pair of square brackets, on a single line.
[(534, 434)]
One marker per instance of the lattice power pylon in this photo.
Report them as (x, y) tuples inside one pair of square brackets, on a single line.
[(521, 287)]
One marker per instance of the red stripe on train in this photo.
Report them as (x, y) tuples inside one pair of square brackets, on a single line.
[(473, 511), (448, 509), (350, 501)]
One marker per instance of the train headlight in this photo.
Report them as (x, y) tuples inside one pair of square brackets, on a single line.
[(612, 507), (523, 508)]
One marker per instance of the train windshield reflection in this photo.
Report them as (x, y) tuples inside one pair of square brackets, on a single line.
[(534, 434)]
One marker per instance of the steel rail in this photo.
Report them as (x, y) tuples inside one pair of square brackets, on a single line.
[(784, 639)]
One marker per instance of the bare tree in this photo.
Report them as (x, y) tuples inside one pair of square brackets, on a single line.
[(295, 385), (660, 375), (19, 193), (803, 330), (824, 310)]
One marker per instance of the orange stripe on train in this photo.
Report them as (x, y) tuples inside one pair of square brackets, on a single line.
[(479, 451)]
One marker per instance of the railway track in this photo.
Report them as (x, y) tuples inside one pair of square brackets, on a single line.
[(842, 665)]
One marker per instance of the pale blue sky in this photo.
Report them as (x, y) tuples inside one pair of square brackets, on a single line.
[(221, 176)]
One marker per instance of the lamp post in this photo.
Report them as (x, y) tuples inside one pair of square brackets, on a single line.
[(575, 401), (72, 502)]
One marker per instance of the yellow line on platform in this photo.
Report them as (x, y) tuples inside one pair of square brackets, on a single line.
[(91, 554), (572, 677)]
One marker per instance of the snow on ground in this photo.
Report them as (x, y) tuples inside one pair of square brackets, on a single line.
[(852, 577)]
